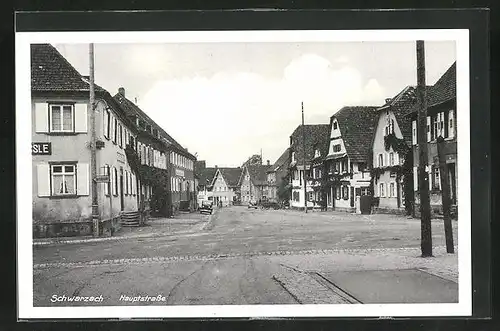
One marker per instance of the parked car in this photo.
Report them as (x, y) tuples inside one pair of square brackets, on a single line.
[(206, 207), (252, 204), (270, 204)]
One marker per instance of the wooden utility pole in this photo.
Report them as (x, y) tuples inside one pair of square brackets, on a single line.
[(93, 157), (423, 178), (445, 195), (304, 161)]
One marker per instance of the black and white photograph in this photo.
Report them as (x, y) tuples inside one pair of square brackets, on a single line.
[(244, 173)]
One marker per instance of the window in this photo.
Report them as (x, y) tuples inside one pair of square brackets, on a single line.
[(317, 153), (120, 137), (63, 179), (391, 128), (115, 131), (107, 185), (335, 126), (392, 190), (293, 157), (115, 181), (345, 192), (364, 191), (61, 118), (107, 124), (380, 160), (414, 132), (381, 190), (336, 148), (391, 158)]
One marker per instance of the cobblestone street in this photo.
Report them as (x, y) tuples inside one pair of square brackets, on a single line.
[(241, 256)]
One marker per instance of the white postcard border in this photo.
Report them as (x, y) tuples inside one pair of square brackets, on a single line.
[(24, 178)]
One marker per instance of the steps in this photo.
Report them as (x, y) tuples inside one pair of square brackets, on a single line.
[(130, 218)]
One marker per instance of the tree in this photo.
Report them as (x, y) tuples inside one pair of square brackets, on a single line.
[(284, 189)]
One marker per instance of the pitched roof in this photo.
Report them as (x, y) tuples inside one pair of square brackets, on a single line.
[(400, 105), (205, 176), (283, 160), (51, 72), (131, 109), (231, 175), (357, 125), (258, 174), (444, 90), (314, 134)]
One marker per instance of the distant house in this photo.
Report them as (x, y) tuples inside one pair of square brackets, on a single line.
[(62, 202), (298, 167), (205, 178), (252, 182), (349, 155), (441, 121), (392, 177), (276, 174), (231, 178)]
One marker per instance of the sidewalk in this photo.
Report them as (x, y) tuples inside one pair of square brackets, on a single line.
[(371, 276), (155, 227)]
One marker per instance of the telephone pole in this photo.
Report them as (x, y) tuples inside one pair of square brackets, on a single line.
[(93, 156), (423, 178), (304, 161)]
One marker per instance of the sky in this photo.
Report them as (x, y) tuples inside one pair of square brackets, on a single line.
[(228, 101)]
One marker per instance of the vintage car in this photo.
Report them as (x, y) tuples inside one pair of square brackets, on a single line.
[(270, 205), (252, 204), (206, 207)]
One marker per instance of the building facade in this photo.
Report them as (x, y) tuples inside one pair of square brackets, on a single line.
[(346, 163), (391, 148), (182, 193), (300, 168), (441, 122), (62, 201)]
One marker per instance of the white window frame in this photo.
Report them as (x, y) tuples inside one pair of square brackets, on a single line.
[(391, 158), (392, 189), (63, 174), (382, 190), (61, 106)]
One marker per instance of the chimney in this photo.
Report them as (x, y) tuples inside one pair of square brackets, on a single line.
[(121, 90), (387, 100), (268, 163)]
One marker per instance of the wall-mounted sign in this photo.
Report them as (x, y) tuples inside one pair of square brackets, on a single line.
[(102, 178), (41, 149), (179, 172), (120, 157)]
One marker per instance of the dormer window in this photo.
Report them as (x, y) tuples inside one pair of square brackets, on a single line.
[(335, 126), (317, 153), (293, 157)]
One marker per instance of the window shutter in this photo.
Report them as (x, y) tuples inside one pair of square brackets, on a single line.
[(106, 185), (82, 176), (81, 118), (41, 117), (428, 128), (396, 158), (112, 127), (43, 179), (414, 132), (113, 181), (451, 124)]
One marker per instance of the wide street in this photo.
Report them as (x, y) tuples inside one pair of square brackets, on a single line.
[(248, 256)]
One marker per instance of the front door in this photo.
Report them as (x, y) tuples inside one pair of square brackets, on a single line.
[(352, 196), (122, 203)]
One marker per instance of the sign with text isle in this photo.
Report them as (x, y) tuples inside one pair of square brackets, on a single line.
[(41, 149)]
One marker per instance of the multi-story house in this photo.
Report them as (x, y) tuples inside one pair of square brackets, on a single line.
[(299, 168), (231, 177), (349, 155), (223, 186), (441, 121), (392, 158), (275, 175), (61, 132), (205, 178), (180, 163), (252, 183), (317, 174)]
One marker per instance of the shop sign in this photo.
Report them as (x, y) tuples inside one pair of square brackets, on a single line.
[(41, 149)]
